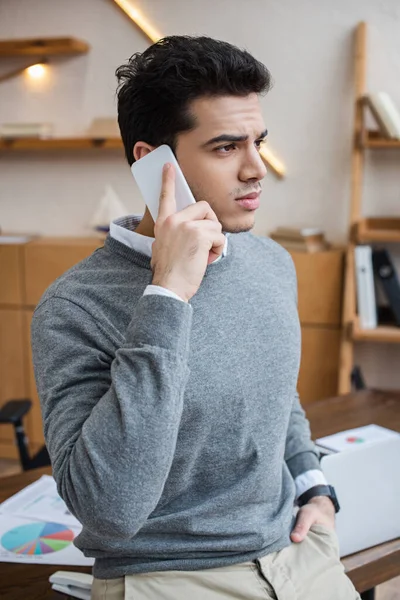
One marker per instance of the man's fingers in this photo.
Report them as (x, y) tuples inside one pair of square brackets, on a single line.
[(302, 526), (212, 229), (217, 249), (196, 212), (167, 205)]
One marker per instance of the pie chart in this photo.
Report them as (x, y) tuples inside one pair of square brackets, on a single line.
[(37, 538)]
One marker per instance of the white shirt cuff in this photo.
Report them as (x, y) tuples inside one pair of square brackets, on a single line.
[(157, 290), (309, 479)]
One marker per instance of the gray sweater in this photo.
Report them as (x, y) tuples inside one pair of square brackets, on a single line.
[(174, 429)]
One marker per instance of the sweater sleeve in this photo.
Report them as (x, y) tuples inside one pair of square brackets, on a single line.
[(111, 415), (300, 452)]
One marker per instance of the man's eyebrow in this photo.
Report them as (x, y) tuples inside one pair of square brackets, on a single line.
[(228, 137)]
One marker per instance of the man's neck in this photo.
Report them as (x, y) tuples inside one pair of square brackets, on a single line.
[(146, 225)]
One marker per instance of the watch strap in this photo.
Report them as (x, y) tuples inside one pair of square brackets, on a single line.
[(319, 490)]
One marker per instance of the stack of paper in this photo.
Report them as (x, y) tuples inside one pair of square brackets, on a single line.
[(36, 527), (354, 438)]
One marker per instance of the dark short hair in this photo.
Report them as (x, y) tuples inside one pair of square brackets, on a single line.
[(155, 87)]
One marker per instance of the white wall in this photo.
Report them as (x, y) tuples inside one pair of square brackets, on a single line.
[(307, 45)]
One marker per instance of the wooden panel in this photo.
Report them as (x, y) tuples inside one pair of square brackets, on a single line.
[(346, 356), (48, 258), (380, 229), (374, 139), (11, 274), (320, 281), (42, 47), (12, 373), (384, 334), (319, 363), (34, 418)]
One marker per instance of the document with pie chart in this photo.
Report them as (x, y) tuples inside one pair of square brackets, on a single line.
[(36, 527), (46, 543)]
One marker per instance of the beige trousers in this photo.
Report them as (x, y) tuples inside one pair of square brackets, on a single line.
[(309, 570)]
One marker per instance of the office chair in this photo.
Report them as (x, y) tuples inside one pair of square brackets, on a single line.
[(357, 379), (12, 413)]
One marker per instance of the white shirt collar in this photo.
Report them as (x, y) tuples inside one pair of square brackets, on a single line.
[(122, 230)]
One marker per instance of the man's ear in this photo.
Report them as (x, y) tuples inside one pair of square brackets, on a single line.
[(140, 150)]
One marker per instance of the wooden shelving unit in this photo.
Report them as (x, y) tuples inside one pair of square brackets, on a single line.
[(42, 47), (32, 144), (390, 335), (362, 230), (380, 229), (39, 50), (373, 140)]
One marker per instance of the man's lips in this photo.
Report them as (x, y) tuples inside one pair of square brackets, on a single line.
[(252, 196), (250, 202)]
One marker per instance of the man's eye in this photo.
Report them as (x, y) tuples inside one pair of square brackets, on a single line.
[(259, 143), (225, 149)]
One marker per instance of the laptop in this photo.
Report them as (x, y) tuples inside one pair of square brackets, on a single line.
[(367, 484)]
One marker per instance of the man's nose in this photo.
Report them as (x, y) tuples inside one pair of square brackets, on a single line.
[(253, 167)]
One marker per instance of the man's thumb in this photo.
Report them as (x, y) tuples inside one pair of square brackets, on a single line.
[(300, 530)]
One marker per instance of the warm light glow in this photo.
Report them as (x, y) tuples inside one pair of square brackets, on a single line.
[(272, 161), (139, 19), (36, 71)]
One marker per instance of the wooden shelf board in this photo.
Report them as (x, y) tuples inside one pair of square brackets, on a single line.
[(374, 140), (382, 333), (379, 229), (33, 144), (42, 47)]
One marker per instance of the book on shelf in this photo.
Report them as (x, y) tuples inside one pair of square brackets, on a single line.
[(388, 280), (10, 237), (365, 287), (385, 113), (300, 240), (26, 130)]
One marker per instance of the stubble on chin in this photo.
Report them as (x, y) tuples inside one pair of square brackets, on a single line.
[(236, 228)]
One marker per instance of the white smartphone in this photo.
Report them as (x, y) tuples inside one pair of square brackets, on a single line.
[(148, 175)]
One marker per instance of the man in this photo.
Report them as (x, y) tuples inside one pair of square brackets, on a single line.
[(167, 371)]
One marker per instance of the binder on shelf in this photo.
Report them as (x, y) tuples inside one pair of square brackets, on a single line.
[(366, 302), (387, 276), (385, 113)]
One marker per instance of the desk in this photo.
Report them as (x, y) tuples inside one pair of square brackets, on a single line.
[(366, 569)]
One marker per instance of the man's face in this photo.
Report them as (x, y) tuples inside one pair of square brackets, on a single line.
[(222, 171)]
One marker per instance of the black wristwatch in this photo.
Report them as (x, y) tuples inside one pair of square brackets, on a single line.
[(319, 490)]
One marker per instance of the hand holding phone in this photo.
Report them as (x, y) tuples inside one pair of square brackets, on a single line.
[(185, 241), (148, 175)]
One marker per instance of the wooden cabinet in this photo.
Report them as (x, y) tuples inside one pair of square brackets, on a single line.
[(320, 281), (319, 363), (46, 259), (26, 270), (12, 343), (12, 371), (11, 272), (34, 419)]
